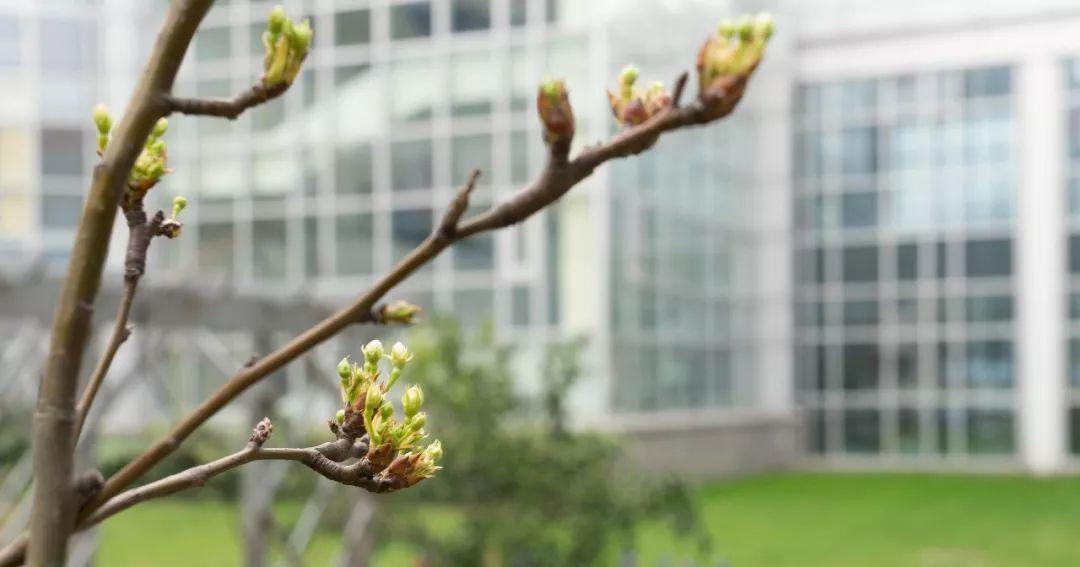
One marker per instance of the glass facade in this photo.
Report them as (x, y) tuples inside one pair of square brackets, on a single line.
[(331, 184), (680, 256), (49, 62), (904, 200)]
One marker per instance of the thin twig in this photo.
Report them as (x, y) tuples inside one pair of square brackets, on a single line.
[(558, 177), (229, 108), (54, 419), (141, 232)]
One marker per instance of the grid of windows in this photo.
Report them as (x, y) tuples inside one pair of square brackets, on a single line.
[(49, 61), (331, 184), (904, 204), (680, 310)]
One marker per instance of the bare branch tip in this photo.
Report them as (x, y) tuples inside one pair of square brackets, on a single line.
[(680, 86)]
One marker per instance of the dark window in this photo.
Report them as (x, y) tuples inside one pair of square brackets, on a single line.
[(990, 431), (410, 20), (862, 431), (468, 15), (990, 364), (993, 81), (353, 27), (907, 261), (860, 264), (860, 366), (988, 257), (859, 150), (858, 210)]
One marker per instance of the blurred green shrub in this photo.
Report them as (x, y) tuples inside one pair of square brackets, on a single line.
[(518, 490)]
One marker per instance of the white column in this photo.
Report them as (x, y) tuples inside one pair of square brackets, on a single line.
[(1039, 265)]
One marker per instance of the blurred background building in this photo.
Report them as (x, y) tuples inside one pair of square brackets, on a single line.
[(869, 264)]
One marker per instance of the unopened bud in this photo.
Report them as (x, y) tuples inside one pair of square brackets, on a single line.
[(159, 128), (300, 37), (744, 26), (412, 400), (339, 417), (628, 76), (374, 398), (726, 29), (434, 451), (400, 355), (373, 351), (276, 20), (418, 421), (386, 410), (400, 311), (261, 433), (102, 119), (556, 115), (763, 26), (179, 203), (344, 369)]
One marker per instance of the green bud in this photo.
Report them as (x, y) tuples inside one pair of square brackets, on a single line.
[(373, 351), (339, 417), (300, 38), (628, 75), (764, 26), (412, 400), (179, 203), (726, 29), (276, 20), (102, 119), (159, 128), (399, 355), (344, 369), (744, 26), (155, 146), (374, 398), (552, 88), (155, 170), (386, 409), (418, 421), (434, 451)]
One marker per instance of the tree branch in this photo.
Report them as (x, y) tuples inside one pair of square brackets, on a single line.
[(226, 107), (559, 176), (140, 232), (54, 418)]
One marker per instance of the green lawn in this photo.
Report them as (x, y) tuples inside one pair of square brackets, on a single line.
[(798, 520)]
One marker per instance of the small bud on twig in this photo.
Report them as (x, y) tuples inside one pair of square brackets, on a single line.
[(399, 311), (553, 105), (261, 433), (412, 400)]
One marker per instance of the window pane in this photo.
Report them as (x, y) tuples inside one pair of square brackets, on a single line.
[(860, 366), (471, 15), (410, 21), (410, 228), (860, 264), (862, 431), (66, 46), (269, 247), (61, 152), (352, 169), (352, 27), (993, 81), (215, 247), (990, 364), (990, 431), (989, 308), (858, 210), (410, 164), (354, 244), (212, 43), (989, 258), (412, 92), (475, 253), (907, 260), (468, 153), (859, 150), (519, 12), (472, 85), (908, 430), (61, 211), (519, 300)]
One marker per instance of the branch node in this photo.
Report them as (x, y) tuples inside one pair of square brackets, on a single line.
[(260, 433), (448, 226)]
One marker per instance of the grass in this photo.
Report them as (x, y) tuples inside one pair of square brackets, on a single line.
[(775, 521)]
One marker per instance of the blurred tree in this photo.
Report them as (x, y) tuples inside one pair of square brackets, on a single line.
[(514, 490)]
